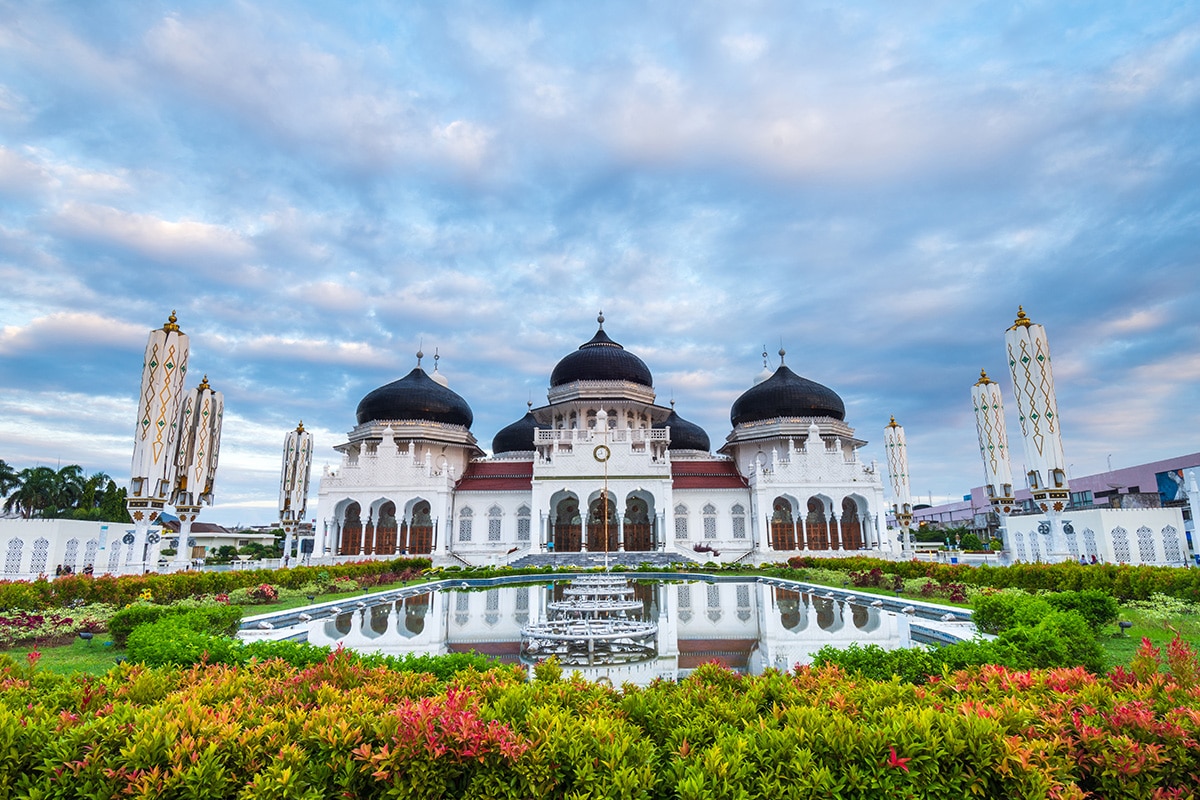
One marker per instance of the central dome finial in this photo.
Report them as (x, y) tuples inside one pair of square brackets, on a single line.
[(600, 319), (782, 353)]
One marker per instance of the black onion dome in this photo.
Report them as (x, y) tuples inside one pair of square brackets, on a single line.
[(517, 437), (786, 394), (685, 435), (601, 359), (415, 397)]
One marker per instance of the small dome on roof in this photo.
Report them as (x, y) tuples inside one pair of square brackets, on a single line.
[(786, 394), (685, 435), (517, 437), (601, 359), (415, 397)]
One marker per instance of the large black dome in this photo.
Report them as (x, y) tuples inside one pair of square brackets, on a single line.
[(786, 394), (685, 435), (415, 397), (601, 359), (517, 437)]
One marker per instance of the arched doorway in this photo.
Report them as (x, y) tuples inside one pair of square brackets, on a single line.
[(385, 529), (639, 530), (602, 525), (783, 525), (350, 543), (418, 538), (568, 529), (817, 525), (852, 536)]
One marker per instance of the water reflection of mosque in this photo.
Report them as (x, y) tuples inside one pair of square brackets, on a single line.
[(747, 626)]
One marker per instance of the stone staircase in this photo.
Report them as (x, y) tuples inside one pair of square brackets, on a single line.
[(594, 560)]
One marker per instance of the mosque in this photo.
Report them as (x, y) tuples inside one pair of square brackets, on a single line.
[(601, 468)]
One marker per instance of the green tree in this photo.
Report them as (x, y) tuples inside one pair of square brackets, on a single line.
[(36, 492), (9, 479)]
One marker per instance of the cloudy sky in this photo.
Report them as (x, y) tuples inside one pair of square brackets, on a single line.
[(319, 188)]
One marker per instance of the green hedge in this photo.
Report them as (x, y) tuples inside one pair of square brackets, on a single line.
[(216, 618), (62, 592), (1121, 581)]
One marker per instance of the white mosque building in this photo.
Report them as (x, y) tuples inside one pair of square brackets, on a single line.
[(600, 469)]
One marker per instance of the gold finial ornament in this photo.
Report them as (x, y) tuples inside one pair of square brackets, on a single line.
[(204, 384), (1021, 321), (983, 378), (171, 325), (893, 423), (300, 427)]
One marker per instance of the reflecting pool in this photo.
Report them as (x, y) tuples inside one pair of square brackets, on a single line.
[(747, 626)]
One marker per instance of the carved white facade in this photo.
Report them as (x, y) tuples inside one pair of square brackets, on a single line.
[(600, 468)]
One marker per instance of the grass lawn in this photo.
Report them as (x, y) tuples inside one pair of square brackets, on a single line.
[(95, 658), (1120, 649)]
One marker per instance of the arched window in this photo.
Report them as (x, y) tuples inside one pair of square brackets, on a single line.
[(710, 521), (681, 526), (71, 555), (1146, 545), (495, 517), (523, 524), (12, 558), (739, 521), (464, 524), (1172, 553), (1120, 544), (41, 553)]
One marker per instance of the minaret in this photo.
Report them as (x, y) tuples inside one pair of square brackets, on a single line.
[(293, 483), (1037, 409), (896, 449), (156, 437), (196, 464), (993, 442)]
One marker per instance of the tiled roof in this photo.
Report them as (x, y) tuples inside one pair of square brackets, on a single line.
[(496, 476), (706, 475)]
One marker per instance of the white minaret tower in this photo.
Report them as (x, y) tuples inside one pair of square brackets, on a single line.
[(896, 448), (155, 440), (993, 442), (293, 482), (196, 464), (1037, 409)]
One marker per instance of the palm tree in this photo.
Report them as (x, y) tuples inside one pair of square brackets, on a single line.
[(9, 479), (37, 491), (69, 485)]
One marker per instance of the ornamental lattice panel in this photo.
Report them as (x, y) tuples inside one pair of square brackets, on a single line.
[(714, 602), (1171, 549), (89, 552), (12, 558), (685, 603), (41, 553), (1120, 542), (1146, 545), (1019, 546), (71, 554), (1089, 543)]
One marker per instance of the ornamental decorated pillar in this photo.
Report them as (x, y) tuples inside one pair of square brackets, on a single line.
[(993, 443), (1037, 409), (196, 462), (156, 435), (293, 482), (896, 448)]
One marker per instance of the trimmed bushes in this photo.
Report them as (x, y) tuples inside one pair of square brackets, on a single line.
[(119, 591), (1124, 582), (340, 728)]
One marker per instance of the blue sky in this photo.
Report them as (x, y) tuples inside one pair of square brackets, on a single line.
[(320, 190)]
